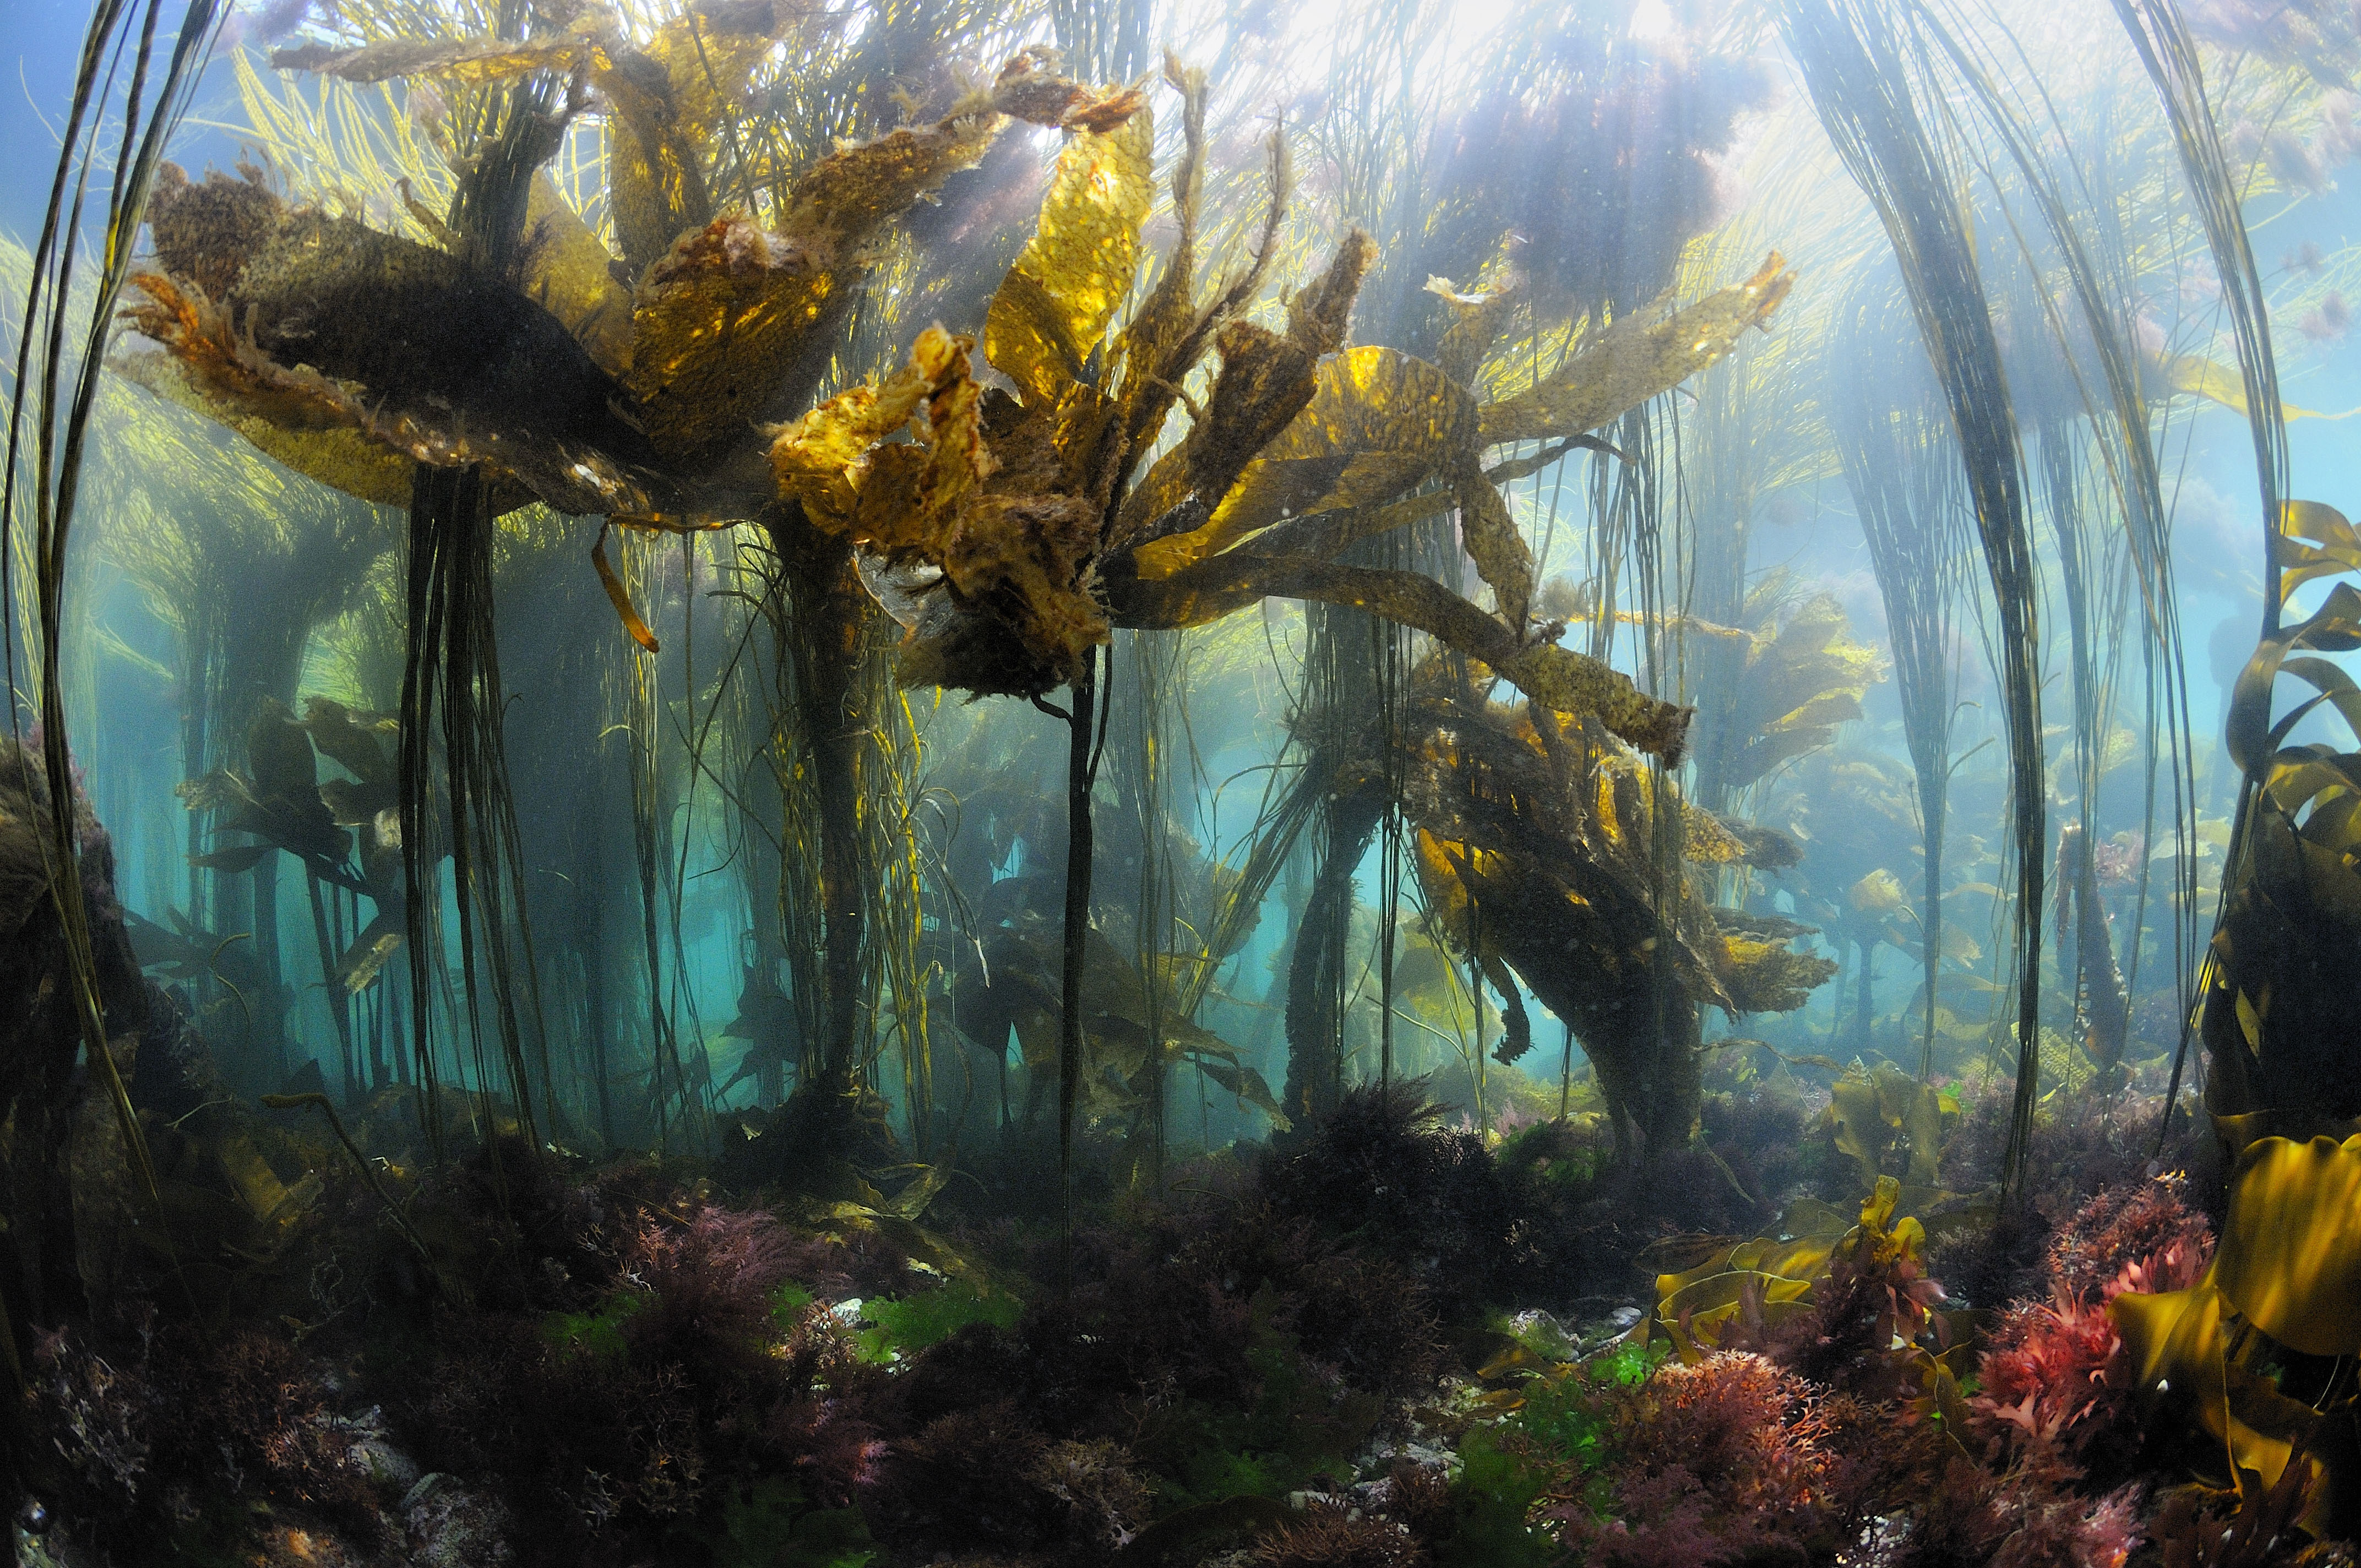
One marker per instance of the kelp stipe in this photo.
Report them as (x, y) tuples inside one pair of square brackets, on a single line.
[(1904, 486), (2162, 37), (1862, 86), (55, 392)]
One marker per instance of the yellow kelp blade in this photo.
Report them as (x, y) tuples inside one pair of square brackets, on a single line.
[(1706, 842), (1476, 315), (2177, 1344), (2290, 1253), (619, 597), (2250, 735), (1572, 683), (1266, 380), (2313, 541), (367, 958), (2201, 378), (1498, 550), (1692, 1315), (1640, 356), (1378, 423), (1679, 1255), (726, 322), (567, 274), (1066, 285), (237, 383), (1768, 976), (1874, 1112), (668, 105), (2173, 1342)]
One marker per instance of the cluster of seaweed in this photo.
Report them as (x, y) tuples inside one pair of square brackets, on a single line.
[(509, 1270)]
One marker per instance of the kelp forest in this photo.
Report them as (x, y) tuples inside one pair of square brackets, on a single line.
[(960, 783)]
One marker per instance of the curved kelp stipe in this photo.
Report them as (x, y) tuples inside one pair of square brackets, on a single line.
[(1862, 86), (59, 358)]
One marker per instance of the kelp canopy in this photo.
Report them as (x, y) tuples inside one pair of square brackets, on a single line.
[(733, 669)]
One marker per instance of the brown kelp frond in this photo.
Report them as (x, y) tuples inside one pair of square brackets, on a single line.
[(1266, 378), (1537, 845), (1378, 423), (342, 432), (304, 323), (329, 433), (2288, 1265), (446, 363), (1378, 426), (459, 59), (2291, 892), (1054, 305), (1132, 1036), (1006, 502), (1803, 676), (1557, 678), (987, 503)]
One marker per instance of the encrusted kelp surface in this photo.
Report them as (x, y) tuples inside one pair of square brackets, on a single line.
[(351, 353), (317, 324)]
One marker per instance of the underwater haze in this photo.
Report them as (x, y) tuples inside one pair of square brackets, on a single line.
[(947, 783)]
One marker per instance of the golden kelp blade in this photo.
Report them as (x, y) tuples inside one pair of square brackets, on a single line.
[(2335, 628), (1570, 683), (1678, 1255), (1268, 378), (473, 60), (1639, 356), (1066, 285), (995, 524), (1378, 421), (2313, 540), (2290, 1253), (342, 457), (2201, 378), (1706, 842), (1694, 1314), (2177, 1344), (1874, 1113), (566, 274), (617, 597), (1477, 316)]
